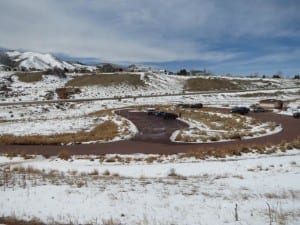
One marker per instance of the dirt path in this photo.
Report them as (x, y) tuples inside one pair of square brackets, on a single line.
[(154, 138)]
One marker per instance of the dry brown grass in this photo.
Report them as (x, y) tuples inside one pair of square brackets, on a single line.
[(203, 84), (215, 121), (237, 126), (218, 153), (106, 173), (12, 154), (94, 173), (101, 113), (242, 148), (30, 77), (151, 159), (259, 94), (15, 221), (106, 80), (65, 155), (105, 131)]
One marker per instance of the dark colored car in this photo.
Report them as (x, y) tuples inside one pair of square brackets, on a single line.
[(240, 110), (165, 115), (296, 114), (151, 111), (259, 109), (159, 113), (195, 106), (171, 116)]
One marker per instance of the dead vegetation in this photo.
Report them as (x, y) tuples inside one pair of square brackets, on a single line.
[(203, 84), (106, 80), (105, 131), (218, 121), (259, 94), (30, 77), (15, 221), (65, 93), (65, 155), (219, 126), (243, 148), (268, 94), (12, 220), (101, 113)]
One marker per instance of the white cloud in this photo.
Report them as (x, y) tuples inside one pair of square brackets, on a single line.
[(140, 30)]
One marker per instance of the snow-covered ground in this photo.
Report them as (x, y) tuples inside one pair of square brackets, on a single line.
[(46, 119), (204, 129), (140, 189), (174, 191), (155, 84)]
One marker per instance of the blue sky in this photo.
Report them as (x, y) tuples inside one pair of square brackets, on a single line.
[(224, 36)]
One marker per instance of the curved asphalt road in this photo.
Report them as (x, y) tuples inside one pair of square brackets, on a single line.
[(155, 138)]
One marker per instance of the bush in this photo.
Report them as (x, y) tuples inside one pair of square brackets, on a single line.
[(65, 93), (106, 173), (65, 155)]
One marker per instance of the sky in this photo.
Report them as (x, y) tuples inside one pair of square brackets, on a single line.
[(223, 36)]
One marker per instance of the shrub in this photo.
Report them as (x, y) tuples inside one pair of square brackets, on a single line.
[(65, 155), (65, 93), (94, 173), (151, 159), (106, 173)]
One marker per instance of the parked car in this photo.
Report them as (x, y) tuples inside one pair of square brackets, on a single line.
[(193, 106), (240, 110), (159, 113), (151, 111), (196, 106), (172, 116), (165, 115), (296, 114), (259, 109)]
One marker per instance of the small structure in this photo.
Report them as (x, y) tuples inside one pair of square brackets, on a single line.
[(271, 104), (200, 73), (110, 68), (138, 68)]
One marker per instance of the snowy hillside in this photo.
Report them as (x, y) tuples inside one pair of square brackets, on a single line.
[(38, 61)]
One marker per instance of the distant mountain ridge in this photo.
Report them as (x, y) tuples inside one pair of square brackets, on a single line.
[(19, 60), (37, 61)]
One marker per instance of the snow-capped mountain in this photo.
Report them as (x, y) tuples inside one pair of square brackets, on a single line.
[(32, 60), (37, 61)]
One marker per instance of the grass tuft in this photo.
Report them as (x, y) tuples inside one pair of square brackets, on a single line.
[(65, 155)]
